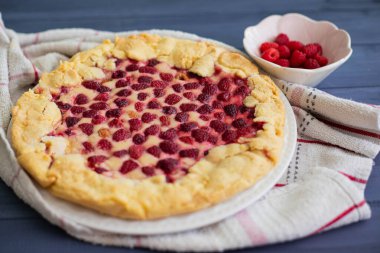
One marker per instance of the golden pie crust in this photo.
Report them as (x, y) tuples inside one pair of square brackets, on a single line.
[(224, 172)]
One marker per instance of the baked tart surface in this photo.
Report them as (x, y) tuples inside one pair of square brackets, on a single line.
[(149, 126)]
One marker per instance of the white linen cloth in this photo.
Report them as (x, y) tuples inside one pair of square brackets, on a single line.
[(323, 188)]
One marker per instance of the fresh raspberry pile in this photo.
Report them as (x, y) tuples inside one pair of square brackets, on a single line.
[(292, 53)]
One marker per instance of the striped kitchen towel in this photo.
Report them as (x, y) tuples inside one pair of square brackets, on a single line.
[(323, 188)]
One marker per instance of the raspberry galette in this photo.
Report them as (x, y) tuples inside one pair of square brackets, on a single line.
[(149, 126)]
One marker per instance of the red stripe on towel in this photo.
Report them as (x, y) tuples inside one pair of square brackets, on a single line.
[(352, 178), (339, 217)]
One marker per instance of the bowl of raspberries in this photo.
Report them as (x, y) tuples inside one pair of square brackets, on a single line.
[(296, 48)]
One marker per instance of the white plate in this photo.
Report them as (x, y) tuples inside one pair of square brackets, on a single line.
[(100, 222)]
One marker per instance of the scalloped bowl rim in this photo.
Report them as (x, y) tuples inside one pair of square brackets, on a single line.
[(298, 70)]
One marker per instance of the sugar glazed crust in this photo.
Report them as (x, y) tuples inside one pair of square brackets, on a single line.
[(225, 171)]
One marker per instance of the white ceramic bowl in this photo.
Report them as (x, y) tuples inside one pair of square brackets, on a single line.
[(336, 45)]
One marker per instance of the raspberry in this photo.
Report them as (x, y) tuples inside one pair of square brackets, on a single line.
[(104, 144), (240, 81), (142, 96), (200, 135), (92, 160), (297, 59), (154, 104), (271, 54), (225, 96), (169, 134), (258, 125), (113, 113), (172, 99), (242, 91), (100, 170), (139, 106), (169, 110), (121, 135), (152, 130), (167, 165), (311, 64), (283, 62), (284, 51), (169, 147), (102, 89), (138, 139), (282, 39), (204, 118), (122, 83), (97, 119), (251, 114), (145, 79), (266, 45), (294, 45), (217, 105), (158, 84), (132, 67), (177, 88), (99, 106), (229, 136), (204, 109), (124, 93), (204, 98), (186, 139), (81, 99), (191, 86), (77, 109), (212, 139), (139, 86), (231, 110), (310, 50), (71, 121), (121, 102), (92, 85), (154, 151), (158, 93), (152, 62), (135, 124), (90, 113), (219, 115), (120, 153), (244, 131), (225, 84), (187, 127), (128, 166), (322, 61), (210, 89), (148, 117), (88, 146), (182, 117), (188, 107), (115, 123), (218, 126), (192, 153), (135, 151), (118, 74), (189, 95), (63, 106), (87, 128), (243, 109), (148, 170), (102, 97), (166, 77), (319, 48), (239, 123), (165, 121), (147, 69)]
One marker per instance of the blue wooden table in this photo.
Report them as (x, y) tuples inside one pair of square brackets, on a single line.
[(23, 230)]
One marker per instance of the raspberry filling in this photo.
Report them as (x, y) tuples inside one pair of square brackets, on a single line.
[(147, 118)]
